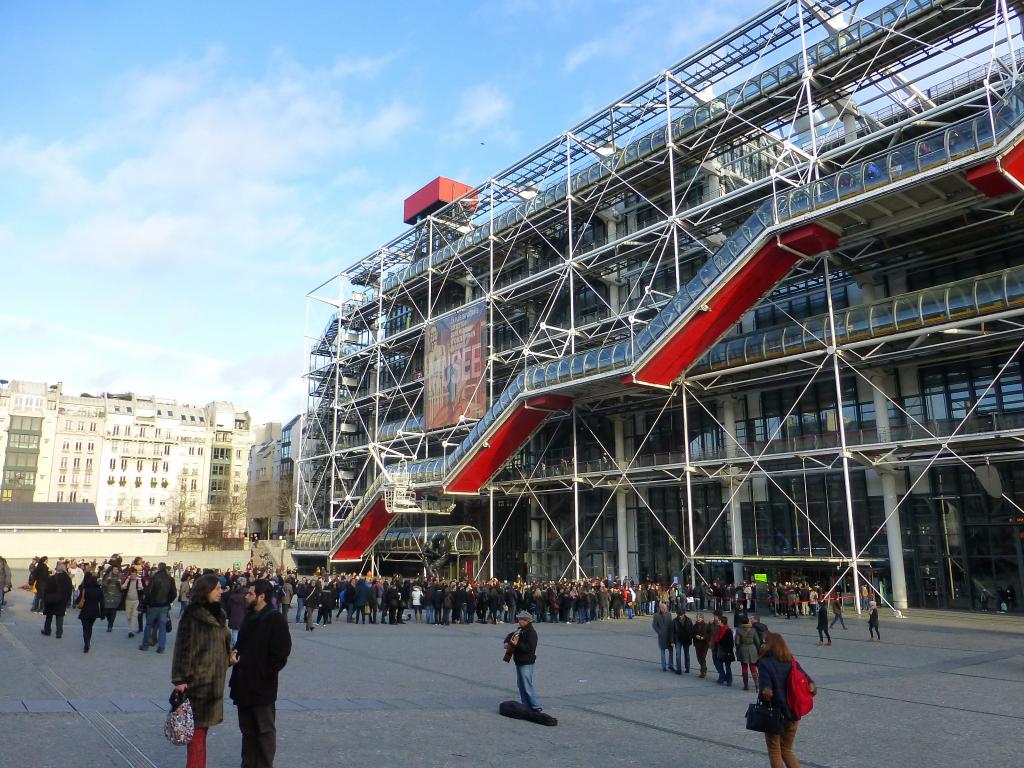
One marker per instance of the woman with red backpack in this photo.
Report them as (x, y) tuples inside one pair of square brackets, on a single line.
[(784, 685)]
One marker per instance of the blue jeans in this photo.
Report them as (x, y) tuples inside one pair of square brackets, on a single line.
[(838, 617), (157, 617), (234, 637), (682, 654), (3, 595), (666, 665), (524, 678), (300, 610), (181, 609), (718, 666)]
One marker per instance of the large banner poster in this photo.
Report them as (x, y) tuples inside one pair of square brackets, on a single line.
[(456, 356)]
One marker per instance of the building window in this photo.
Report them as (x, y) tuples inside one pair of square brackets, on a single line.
[(117, 430), (62, 479), (138, 465), (194, 485), (74, 497), (124, 465), (60, 497), (127, 430), (76, 463), (64, 462), (166, 466), (113, 463), (92, 447), (92, 426), (167, 450), (78, 447), (142, 431), (66, 446), (156, 466), (88, 465)]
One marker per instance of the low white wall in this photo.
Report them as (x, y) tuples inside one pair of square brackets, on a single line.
[(214, 558), (19, 545)]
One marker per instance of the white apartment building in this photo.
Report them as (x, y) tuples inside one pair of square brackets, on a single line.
[(137, 458)]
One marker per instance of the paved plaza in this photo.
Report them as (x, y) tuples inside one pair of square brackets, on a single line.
[(941, 690)]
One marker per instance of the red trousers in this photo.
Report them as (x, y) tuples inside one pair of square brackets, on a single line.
[(197, 750)]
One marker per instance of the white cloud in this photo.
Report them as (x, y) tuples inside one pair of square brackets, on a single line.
[(481, 107), (164, 229), (268, 385)]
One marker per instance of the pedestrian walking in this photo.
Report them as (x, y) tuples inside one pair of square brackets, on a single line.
[(682, 636), (90, 605), (160, 592), (837, 612), (873, 622), (775, 664), (824, 638), (523, 643), (56, 596), (701, 641), (113, 595), (5, 582), (662, 625), (747, 647), (202, 653), (37, 580), (725, 652), (132, 587), (262, 650)]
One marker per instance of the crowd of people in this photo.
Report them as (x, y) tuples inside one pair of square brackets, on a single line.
[(717, 622)]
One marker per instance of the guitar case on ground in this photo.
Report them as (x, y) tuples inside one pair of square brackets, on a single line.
[(520, 711)]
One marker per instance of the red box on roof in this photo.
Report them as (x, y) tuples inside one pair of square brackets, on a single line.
[(433, 197)]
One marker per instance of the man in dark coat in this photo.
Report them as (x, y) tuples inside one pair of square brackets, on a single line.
[(5, 581), (524, 653), (37, 578), (264, 644), (56, 596), (682, 636), (160, 592), (662, 625)]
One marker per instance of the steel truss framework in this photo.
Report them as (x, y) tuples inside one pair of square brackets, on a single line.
[(562, 266)]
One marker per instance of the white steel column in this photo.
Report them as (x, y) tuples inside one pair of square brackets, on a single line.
[(834, 351), (490, 372), (575, 499), (689, 488), (890, 498), (735, 516), (621, 529)]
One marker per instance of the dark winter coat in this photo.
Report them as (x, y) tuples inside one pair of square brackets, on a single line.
[(112, 594), (682, 630), (234, 608), (701, 634), (662, 625), (822, 616), (57, 594), (525, 652), (263, 646), (5, 575), (748, 643), (160, 590), (724, 649), (92, 607), (774, 674), (201, 651)]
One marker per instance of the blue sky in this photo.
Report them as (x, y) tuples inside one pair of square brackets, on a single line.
[(175, 177)]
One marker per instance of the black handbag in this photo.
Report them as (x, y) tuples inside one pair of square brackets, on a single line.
[(168, 626), (764, 718)]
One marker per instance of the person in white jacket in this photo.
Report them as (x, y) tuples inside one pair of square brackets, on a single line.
[(77, 575)]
